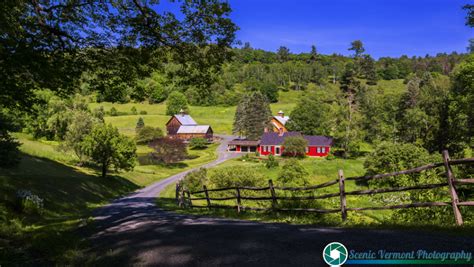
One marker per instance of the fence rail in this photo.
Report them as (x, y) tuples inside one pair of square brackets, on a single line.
[(184, 197)]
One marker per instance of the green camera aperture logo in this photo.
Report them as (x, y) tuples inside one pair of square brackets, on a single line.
[(335, 254)]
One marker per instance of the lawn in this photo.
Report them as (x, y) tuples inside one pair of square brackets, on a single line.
[(220, 118)]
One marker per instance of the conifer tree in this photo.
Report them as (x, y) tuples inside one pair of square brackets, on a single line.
[(252, 116)]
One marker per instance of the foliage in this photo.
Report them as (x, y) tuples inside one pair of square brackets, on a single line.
[(391, 157), (313, 115), (195, 180), (295, 146), (271, 162), (134, 110), (146, 134), (252, 116), (80, 126), (175, 103), (29, 203), (293, 173), (107, 147), (9, 153), (235, 176), (198, 143), (169, 150), (113, 112), (140, 124)]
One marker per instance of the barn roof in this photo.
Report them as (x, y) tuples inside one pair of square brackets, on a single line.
[(281, 119), (272, 138), (193, 129), (185, 119)]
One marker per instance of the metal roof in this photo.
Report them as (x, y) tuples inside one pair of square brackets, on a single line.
[(185, 119), (281, 119), (193, 129), (272, 138)]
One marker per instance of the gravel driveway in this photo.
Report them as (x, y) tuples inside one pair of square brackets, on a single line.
[(133, 231)]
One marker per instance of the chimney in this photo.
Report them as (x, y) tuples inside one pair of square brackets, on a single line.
[(281, 113)]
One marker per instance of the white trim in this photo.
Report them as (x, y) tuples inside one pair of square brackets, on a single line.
[(279, 149)]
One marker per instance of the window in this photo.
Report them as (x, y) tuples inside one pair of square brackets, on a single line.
[(306, 149), (323, 150), (319, 149)]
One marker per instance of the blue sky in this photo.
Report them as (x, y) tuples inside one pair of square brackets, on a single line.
[(386, 27)]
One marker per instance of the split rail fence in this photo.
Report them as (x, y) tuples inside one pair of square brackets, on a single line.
[(185, 198)]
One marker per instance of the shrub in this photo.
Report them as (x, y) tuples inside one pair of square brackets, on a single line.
[(134, 111), (148, 134), (143, 112), (28, 202), (140, 124), (295, 146), (390, 157), (271, 162), (113, 112), (158, 95), (293, 173), (198, 143), (169, 150), (194, 180), (236, 176)]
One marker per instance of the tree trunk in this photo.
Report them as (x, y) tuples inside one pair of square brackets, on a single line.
[(104, 169)]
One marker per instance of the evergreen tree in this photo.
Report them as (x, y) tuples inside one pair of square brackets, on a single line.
[(140, 124), (252, 115), (283, 53)]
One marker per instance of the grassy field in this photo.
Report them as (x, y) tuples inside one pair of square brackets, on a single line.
[(220, 118)]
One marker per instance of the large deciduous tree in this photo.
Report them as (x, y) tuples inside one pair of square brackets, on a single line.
[(107, 147), (176, 103)]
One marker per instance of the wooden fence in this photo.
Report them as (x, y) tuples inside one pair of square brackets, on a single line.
[(184, 197)]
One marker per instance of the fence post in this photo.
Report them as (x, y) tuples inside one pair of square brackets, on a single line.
[(239, 204), (452, 188), (343, 195), (190, 202), (177, 193), (207, 196), (272, 192)]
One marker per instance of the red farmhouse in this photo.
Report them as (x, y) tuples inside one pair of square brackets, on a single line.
[(272, 143)]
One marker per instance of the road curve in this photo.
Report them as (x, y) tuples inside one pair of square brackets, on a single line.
[(134, 231)]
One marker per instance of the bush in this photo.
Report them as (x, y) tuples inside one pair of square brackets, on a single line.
[(195, 180), (198, 143), (236, 176), (271, 162), (391, 157), (134, 111), (113, 112), (295, 146), (148, 134), (143, 112), (169, 150), (158, 95), (140, 124), (28, 202), (293, 174)]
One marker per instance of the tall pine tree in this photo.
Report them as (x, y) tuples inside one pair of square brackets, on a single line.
[(253, 114)]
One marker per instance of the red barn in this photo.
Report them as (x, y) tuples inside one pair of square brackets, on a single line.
[(272, 143)]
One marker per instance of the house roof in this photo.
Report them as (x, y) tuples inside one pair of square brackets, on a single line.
[(272, 138), (243, 142), (193, 129), (185, 119), (281, 119)]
